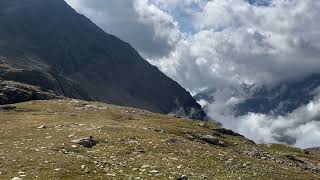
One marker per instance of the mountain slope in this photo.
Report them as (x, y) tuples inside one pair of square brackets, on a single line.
[(36, 143), (82, 61)]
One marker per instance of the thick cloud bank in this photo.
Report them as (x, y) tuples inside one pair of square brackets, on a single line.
[(236, 42), (225, 43), (300, 128)]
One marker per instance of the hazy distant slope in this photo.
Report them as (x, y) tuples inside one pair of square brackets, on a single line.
[(279, 99)]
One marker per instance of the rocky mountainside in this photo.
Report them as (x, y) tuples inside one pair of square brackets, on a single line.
[(276, 100), (49, 45), (72, 139)]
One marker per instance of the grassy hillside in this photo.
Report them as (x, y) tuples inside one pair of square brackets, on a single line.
[(35, 143)]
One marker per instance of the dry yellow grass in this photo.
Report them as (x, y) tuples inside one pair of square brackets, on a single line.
[(35, 143)]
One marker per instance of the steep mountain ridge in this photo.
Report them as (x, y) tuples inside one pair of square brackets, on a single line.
[(49, 39)]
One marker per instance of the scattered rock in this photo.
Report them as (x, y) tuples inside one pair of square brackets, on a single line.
[(87, 170), (111, 174), (70, 135), (140, 151), (212, 140), (87, 142), (154, 171), (227, 132), (292, 158), (7, 108), (16, 178), (289, 160), (145, 166), (313, 151), (183, 177), (90, 107), (203, 124), (42, 127), (132, 142), (158, 130), (173, 141)]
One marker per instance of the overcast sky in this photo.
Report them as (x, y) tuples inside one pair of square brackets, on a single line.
[(219, 43), (201, 42)]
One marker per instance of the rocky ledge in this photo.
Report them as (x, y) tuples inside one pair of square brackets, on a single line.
[(13, 92)]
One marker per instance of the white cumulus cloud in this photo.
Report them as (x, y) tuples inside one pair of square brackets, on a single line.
[(300, 128)]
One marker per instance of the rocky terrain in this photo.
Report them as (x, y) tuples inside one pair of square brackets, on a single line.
[(13, 92), (73, 139)]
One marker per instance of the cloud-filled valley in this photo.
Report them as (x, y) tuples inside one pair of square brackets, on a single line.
[(222, 45)]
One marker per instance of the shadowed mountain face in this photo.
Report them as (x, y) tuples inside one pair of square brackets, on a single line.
[(46, 43)]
